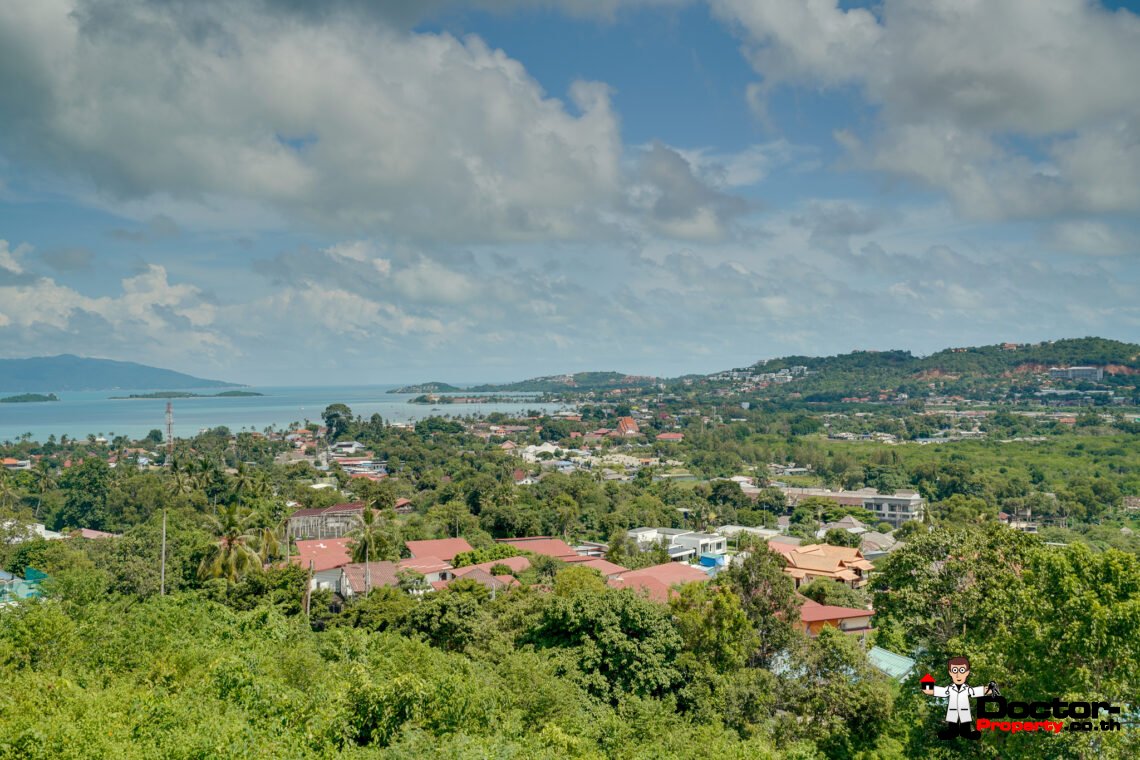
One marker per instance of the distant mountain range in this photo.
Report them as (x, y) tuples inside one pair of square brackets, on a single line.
[(77, 373)]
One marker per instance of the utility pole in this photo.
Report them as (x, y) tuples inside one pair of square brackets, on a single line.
[(308, 589), (367, 569), (162, 570)]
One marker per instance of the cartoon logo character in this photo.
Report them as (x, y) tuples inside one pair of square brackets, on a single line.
[(959, 722)]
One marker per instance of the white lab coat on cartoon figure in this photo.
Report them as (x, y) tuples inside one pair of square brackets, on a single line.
[(958, 708)]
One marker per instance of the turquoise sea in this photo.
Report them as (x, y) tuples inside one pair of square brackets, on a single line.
[(78, 414)]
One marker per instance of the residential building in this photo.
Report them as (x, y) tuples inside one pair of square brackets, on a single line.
[(896, 508), (493, 583), (358, 578), (326, 522), (550, 547), (440, 548), (670, 437), (815, 616), (1076, 373), (834, 563), (846, 523), (659, 581), (874, 544), (592, 549), (324, 558), (681, 544), (348, 448)]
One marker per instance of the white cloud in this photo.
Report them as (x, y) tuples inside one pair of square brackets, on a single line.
[(1016, 109), (173, 321), (1092, 237), (343, 124)]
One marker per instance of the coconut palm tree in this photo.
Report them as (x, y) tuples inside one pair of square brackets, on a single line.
[(233, 556), (44, 479), (9, 494), (376, 539)]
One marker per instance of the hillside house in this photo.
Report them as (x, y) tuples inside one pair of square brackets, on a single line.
[(841, 564), (815, 616), (681, 544)]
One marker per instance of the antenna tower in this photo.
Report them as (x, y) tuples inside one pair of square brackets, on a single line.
[(169, 434)]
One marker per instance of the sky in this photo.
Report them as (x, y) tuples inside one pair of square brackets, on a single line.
[(290, 192)]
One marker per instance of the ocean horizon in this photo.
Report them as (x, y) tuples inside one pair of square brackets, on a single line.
[(78, 414)]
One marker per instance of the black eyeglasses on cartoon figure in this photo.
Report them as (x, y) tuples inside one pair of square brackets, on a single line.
[(959, 722)]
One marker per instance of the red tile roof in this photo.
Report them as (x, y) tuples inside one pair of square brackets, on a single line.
[(656, 581), (551, 547), (627, 426), (443, 548), (324, 553), (671, 437), (517, 564), (379, 574), (493, 582), (605, 567), (424, 565), (814, 612)]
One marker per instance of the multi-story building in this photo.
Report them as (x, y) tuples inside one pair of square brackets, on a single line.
[(896, 508), (1076, 373), (681, 544)]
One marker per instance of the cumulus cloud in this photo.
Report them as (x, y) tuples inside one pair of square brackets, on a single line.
[(1016, 109), (342, 124), (150, 314)]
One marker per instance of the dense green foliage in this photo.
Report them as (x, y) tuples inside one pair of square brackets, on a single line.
[(236, 660)]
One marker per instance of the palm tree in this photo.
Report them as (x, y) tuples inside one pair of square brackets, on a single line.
[(375, 539), (44, 481), (233, 556), (9, 495), (243, 483), (269, 543)]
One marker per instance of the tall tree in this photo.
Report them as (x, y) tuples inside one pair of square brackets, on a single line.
[(768, 597), (232, 556)]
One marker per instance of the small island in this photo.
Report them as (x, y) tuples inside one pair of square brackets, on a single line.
[(29, 398), (187, 394), (427, 388)]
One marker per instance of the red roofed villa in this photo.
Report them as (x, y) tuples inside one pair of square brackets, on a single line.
[(814, 616)]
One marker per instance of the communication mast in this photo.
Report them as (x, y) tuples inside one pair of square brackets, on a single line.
[(169, 434)]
